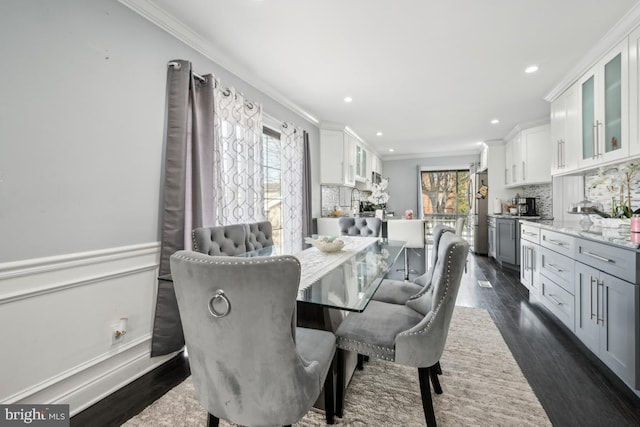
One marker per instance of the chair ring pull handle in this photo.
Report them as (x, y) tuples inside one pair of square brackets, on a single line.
[(219, 295)]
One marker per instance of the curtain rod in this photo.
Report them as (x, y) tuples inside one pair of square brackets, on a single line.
[(178, 65)]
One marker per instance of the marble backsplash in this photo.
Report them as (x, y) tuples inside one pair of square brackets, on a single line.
[(606, 184), (544, 199), (342, 198)]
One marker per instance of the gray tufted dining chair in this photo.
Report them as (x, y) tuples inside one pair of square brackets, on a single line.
[(413, 334), (368, 227), (250, 364), (399, 292), (258, 235), (220, 240)]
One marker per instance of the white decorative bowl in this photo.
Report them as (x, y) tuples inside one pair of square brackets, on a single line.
[(326, 244)]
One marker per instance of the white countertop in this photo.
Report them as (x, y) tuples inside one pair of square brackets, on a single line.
[(620, 236)]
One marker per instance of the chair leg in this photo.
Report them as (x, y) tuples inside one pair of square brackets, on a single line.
[(433, 373), (438, 368), (425, 393), (360, 364), (329, 397), (213, 421), (406, 263), (340, 383)]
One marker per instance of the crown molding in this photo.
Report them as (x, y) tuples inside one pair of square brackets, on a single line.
[(612, 38), (419, 156), (167, 22)]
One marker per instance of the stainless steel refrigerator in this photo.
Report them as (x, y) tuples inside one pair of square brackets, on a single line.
[(478, 204)]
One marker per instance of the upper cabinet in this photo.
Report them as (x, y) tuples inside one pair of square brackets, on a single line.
[(634, 92), (527, 160), (362, 170), (603, 109), (337, 158), (565, 132), (376, 164), (484, 158)]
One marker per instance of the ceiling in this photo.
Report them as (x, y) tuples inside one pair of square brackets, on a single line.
[(430, 75)]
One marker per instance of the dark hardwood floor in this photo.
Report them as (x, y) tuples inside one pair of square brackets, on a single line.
[(574, 387)]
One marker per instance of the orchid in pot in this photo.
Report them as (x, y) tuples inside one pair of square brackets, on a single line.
[(379, 196)]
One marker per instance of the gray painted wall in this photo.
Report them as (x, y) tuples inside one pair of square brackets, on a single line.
[(82, 115), (403, 178)]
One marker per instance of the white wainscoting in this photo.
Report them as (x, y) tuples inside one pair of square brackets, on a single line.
[(59, 316)]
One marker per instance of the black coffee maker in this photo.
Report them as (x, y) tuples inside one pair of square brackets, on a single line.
[(527, 206)]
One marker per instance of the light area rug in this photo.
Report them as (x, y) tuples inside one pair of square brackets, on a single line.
[(482, 384)]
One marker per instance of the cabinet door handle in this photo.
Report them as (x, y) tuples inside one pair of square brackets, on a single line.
[(598, 317), (523, 171), (591, 313), (556, 242), (598, 257), (554, 299), (593, 140), (598, 124), (555, 268), (528, 233)]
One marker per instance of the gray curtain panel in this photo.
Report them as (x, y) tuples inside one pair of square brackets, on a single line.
[(188, 187), (307, 221)]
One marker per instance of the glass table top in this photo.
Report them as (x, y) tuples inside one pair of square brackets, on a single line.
[(345, 283)]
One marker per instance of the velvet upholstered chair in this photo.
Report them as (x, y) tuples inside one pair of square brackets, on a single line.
[(412, 334), (367, 227), (250, 364), (399, 292), (259, 235), (221, 240)]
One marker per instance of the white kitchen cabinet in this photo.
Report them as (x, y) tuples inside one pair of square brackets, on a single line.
[(605, 319), (484, 159), (508, 162), (535, 159), (376, 163), (528, 158), (634, 92), (337, 159), (564, 130), (513, 159), (361, 168), (530, 258), (604, 109)]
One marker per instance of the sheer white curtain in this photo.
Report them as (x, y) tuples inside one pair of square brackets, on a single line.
[(238, 158), (292, 146)]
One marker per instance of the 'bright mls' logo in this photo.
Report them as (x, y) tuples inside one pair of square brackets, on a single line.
[(34, 415)]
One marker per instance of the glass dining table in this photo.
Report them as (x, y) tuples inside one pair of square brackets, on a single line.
[(344, 280)]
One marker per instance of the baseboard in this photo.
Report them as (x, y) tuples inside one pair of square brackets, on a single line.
[(62, 312)]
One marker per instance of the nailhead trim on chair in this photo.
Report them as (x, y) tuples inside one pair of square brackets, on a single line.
[(435, 311), (259, 260), (359, 350)]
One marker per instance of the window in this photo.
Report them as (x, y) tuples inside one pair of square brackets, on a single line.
[(444, 197), (445, 192), (272, 150)]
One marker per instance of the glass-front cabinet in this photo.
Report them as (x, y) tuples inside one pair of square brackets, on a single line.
[(603, 93)]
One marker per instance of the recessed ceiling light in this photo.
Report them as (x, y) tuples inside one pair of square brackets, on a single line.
[(495, 121), (379, 134), (391, 150), (531, 69), (348, 99)]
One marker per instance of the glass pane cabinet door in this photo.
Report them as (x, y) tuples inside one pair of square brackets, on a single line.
[(613, 104), (588, 118), (358, 160)]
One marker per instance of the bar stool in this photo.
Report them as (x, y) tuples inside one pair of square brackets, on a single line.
[(412, 232)]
